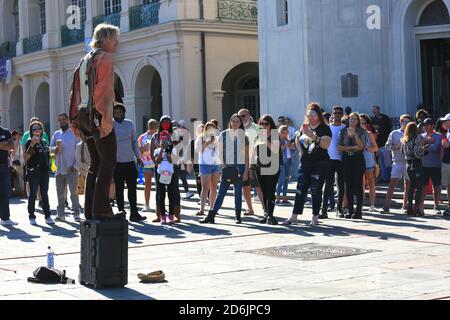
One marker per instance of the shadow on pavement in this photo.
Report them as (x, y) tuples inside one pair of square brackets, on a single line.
[(123, 294), (14, 233)]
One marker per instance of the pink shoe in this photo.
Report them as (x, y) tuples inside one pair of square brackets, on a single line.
[(163, 219), (171, 219)]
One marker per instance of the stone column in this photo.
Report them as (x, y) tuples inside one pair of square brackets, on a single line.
[(165, 82), (23, 26), (27, 102), (51, 38), (128, 101), (55, 90), (125, 16), (176, 83)]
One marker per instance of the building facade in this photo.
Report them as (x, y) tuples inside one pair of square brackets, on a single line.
[(191, 59), (357, 53)]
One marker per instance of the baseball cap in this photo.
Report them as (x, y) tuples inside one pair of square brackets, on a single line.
[(446, 118)]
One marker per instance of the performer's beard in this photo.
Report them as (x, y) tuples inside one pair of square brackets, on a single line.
[(65, 128)]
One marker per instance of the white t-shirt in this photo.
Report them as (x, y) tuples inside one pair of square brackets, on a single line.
[(165, 165), (209, 156), (332, 149)]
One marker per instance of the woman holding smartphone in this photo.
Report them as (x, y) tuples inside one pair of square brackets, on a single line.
[(37, 166), (312, 142)]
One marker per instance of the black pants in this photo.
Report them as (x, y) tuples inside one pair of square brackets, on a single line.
[(172, 190), (335, 168), (126, 173), (198, 180), (415, 174), (183, 178), (5, 191), (38, 181), (98, 182), (311, 175), (268, 184), (354, 167)]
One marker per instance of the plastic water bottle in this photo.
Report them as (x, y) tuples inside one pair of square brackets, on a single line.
[(50, 258)]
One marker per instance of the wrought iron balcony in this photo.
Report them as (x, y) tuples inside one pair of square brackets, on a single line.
[(145, 15), (71, 36), (32, 44), (8, 50), (113, 19), (238, 11)]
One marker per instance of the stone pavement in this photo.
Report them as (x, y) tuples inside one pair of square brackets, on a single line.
[(407, 258)]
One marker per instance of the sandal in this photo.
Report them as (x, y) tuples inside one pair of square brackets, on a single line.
[(200, 214), (290, 222), (249, 213)]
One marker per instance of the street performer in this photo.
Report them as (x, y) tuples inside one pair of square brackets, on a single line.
[(91, 114)]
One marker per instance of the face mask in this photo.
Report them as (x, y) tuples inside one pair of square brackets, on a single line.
[(119, 120), (166, 125), (64, 128)]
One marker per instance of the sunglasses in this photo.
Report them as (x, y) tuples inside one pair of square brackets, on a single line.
[(363, 123), (36, 129), (338, 113)]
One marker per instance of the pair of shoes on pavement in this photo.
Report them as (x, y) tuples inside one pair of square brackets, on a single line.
[(270, 220), (48, 221), (146, 209), (8, 222)]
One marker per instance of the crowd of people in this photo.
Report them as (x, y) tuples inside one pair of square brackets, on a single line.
[(337, 150), (97, 151)]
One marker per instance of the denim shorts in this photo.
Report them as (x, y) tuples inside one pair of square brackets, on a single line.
[(208, 169), (148, 170)]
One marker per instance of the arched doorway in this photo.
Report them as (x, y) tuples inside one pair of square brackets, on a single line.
[(435, 59), (421, 28), (241, 86), (16, 110), (147, 97), (42, 105)]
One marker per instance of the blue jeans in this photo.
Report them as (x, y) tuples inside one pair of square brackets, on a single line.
[(38, 180), (283, 180), (5, 191), (237, 192)]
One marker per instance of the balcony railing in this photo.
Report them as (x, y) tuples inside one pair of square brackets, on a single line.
[(238, 11), (144, 15), (8, 50), (32, 44), (71, 36), (113, 19)]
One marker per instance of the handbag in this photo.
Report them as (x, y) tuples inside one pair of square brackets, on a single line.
[(231, 175), (165, 177)]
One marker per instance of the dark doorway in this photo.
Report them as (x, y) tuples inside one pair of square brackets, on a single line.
[(435, 56), (241, 86)]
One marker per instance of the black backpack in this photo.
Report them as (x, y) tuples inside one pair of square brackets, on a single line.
[(48, 275)]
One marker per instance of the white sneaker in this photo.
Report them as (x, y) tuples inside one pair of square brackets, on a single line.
[(437, 211), (188, 195), (60, 219), (373, 209), (146, 209), (33, 222), (314, 221), (403, 211), (49, 221), (8, 223)]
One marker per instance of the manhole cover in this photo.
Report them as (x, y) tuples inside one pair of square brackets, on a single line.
[(309, 251)]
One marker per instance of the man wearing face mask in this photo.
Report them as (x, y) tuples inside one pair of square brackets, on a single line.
[(127, 155), (399, 170), (63, 145)]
